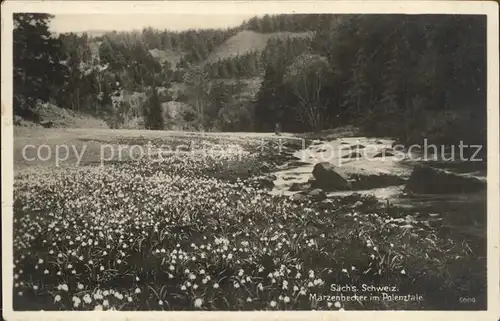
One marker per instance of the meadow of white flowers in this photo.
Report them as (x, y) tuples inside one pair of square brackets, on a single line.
[(169, 235)]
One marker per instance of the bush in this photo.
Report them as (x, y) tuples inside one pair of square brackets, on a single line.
[(153, 112)]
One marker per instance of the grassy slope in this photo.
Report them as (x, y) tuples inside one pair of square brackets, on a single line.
[(248, 41), (166, 55), (64, 118)]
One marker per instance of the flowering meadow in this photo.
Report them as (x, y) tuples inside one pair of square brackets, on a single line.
[(177, 234)]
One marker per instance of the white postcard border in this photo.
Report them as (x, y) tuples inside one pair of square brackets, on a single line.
[(489, 8)]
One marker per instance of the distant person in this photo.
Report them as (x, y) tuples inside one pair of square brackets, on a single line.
[(277, 129)]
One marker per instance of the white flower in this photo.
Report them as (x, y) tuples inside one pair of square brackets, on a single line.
[(76, 301), (57, 298), (87, 299), (198, 303), (272, 304), (337, 304), (286, 299), (137, 290), (160, 302), (216, 285), (403, 271)]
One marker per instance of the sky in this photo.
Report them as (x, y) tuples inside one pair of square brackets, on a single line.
[(127, 22)]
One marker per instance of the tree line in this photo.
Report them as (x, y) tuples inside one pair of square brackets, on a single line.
[(404, 76)]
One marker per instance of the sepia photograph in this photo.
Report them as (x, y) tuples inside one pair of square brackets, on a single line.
[(307, 159)]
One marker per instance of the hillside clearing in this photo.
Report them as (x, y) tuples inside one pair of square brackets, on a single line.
[(248, 41)]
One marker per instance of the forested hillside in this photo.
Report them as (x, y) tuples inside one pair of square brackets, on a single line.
[(405, 76)]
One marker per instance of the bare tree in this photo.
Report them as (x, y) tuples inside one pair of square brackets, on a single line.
[(200, 87), (306, 77)]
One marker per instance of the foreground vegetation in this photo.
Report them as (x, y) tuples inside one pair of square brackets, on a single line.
[(180, 235)]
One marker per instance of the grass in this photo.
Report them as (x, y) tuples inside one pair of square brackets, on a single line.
[(172, 235)]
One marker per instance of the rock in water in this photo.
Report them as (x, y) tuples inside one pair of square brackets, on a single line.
[(327, 205), (353, 155), (295, 187), (328, 179), (317, 194), (370, 181), (298, 197), (429, 180), (386, 152), (264, 182)]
